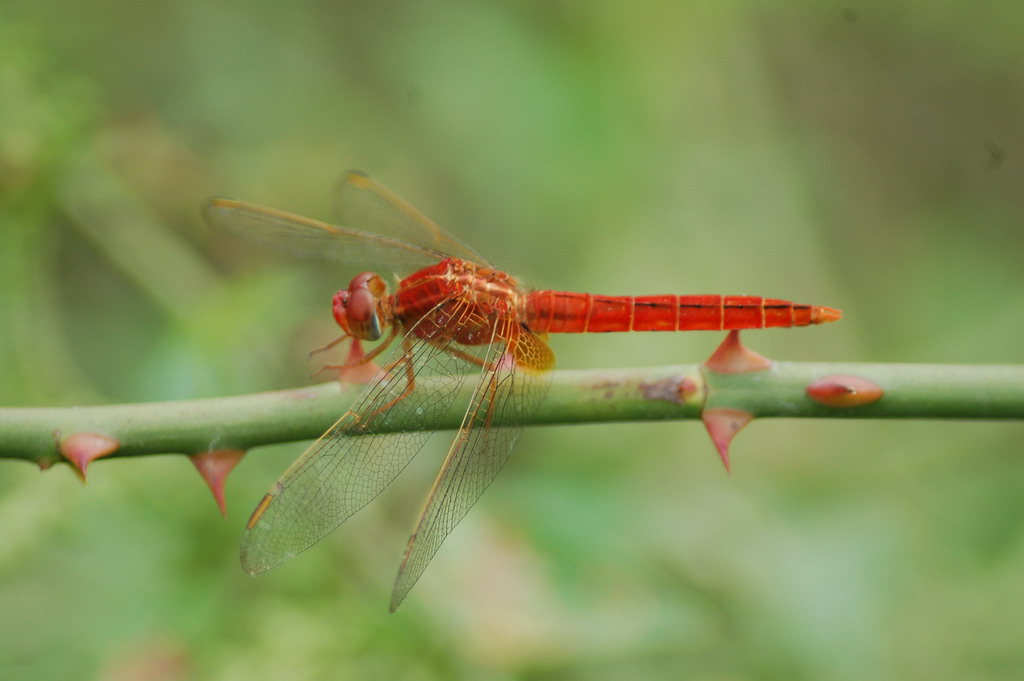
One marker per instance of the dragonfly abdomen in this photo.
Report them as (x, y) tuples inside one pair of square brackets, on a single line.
[(566, 312)]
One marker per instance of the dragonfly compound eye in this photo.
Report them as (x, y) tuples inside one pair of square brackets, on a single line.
[(338, 308), (358, 307)]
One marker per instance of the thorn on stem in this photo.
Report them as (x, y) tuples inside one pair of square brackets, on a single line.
[(214, 466), (732, 357), (356, 368), (722, 424), (81, 449), (844, 390)]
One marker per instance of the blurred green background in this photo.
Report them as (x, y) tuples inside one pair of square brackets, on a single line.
[(863, 155)]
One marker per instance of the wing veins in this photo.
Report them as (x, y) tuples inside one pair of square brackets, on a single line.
[(340, 470), (454, 491)]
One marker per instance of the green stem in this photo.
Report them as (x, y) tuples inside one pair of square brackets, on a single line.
[(670, 392), (911, 391)]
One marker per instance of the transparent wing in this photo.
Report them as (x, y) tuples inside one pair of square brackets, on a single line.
[(364, 204), (346, 469), (508, 392), (311, 238)]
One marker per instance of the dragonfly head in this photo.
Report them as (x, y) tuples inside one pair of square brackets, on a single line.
[(357, 308)]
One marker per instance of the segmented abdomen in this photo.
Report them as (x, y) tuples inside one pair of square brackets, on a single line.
[(566, 312)]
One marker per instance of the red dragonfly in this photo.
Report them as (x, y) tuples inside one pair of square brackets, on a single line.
[(455, 316)]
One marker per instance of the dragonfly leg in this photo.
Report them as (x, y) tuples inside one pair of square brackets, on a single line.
[(507, 356), (410, 377), (356, 358), (372, 354), (325, 348)]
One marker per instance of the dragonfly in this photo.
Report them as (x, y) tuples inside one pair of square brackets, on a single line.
[(452, 318)]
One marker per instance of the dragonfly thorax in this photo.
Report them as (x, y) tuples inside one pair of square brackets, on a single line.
[(358, 309)]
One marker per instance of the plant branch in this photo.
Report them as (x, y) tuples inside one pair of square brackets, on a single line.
[(669, 392)]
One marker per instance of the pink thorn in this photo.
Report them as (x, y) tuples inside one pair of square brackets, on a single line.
[(844, 390), (215, 465), (81, 449), (732, 357), (723, 423), (355, 369)]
